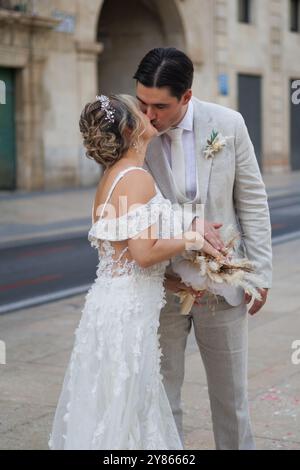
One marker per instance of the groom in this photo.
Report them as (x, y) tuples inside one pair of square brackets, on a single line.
[(230, 187)]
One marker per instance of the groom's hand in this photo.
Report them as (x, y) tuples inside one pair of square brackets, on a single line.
[(174, 285), (209, 231), (257, 304)]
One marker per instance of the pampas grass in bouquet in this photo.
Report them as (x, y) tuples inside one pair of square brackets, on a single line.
[(220, 276)]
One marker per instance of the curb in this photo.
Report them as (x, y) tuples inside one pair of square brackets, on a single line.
[(44, 239)]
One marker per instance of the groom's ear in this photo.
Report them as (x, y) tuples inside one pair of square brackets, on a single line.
[(187, 96)]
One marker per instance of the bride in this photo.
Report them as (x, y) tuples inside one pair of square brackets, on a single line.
[(112, 395)]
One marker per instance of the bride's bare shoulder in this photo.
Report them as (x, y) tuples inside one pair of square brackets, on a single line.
[(137, 185)]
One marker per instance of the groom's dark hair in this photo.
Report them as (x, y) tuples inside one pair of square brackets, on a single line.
[(166, 67)]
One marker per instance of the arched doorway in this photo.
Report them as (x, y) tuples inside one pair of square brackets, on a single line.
[(127, 31)]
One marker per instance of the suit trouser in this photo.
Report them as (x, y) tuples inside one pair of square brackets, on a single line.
[(222, 338)]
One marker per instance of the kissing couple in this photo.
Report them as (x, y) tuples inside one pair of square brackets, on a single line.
[(122, 386)]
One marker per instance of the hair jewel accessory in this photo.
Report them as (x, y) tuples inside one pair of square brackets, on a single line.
[(106, 105)]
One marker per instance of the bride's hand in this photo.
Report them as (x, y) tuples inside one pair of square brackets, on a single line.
[(196, 242), (210, 232)]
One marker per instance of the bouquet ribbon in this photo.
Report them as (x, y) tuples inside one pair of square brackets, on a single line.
[(187, 301)]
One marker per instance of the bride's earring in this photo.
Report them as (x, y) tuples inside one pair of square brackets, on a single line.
[(135, 145)]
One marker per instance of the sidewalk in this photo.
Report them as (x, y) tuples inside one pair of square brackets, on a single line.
[(282, 184), (39, 216), (39, 342), (26, 217)]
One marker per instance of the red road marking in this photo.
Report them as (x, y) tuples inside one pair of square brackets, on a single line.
[(43, 251), (27, 282), (275, 226)]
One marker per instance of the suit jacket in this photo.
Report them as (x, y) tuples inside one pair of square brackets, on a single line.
[(229, 185)]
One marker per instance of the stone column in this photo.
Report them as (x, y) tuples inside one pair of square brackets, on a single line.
[(87, 60), (276, 158), (222, 65), (30, 164)]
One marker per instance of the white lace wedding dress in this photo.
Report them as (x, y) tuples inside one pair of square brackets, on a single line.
[(112, 395)]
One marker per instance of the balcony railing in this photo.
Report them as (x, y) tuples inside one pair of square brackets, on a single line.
[(22, 6), (36, 12), (33, 13)]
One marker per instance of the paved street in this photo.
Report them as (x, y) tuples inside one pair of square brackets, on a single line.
[(43, 240), (39, 338), (39, 342)]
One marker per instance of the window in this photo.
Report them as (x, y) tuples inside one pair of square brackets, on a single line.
[(14, 5), (244, 9), (295, 15)]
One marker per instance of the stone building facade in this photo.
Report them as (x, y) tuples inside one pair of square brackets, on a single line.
[(55, 55)]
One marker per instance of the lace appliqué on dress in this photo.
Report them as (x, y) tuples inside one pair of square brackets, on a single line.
[(113, 396)]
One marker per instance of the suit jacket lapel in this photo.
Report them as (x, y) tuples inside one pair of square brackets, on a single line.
[(203, 126), (158, 164), (157, 161)]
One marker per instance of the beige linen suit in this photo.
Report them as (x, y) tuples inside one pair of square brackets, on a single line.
[(230, 187)]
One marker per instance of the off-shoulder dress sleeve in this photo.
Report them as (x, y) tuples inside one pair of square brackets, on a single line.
[(157, 211)]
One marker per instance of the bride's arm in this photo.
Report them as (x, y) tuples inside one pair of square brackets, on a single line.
[(146, 249), (165, 249)]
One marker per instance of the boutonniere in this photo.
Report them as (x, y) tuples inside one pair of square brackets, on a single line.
[(214, 144)]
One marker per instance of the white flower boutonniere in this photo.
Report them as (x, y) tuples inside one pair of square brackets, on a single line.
[(214, 144)]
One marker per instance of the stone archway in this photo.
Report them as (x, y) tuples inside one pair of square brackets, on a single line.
[(127, 30)]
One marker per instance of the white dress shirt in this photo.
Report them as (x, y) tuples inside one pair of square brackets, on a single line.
[(188, 143)]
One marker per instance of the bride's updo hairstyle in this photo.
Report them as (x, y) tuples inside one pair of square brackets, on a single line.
[(109, 126)]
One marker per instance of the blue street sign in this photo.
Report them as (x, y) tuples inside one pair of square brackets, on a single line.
[(223, 84)]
